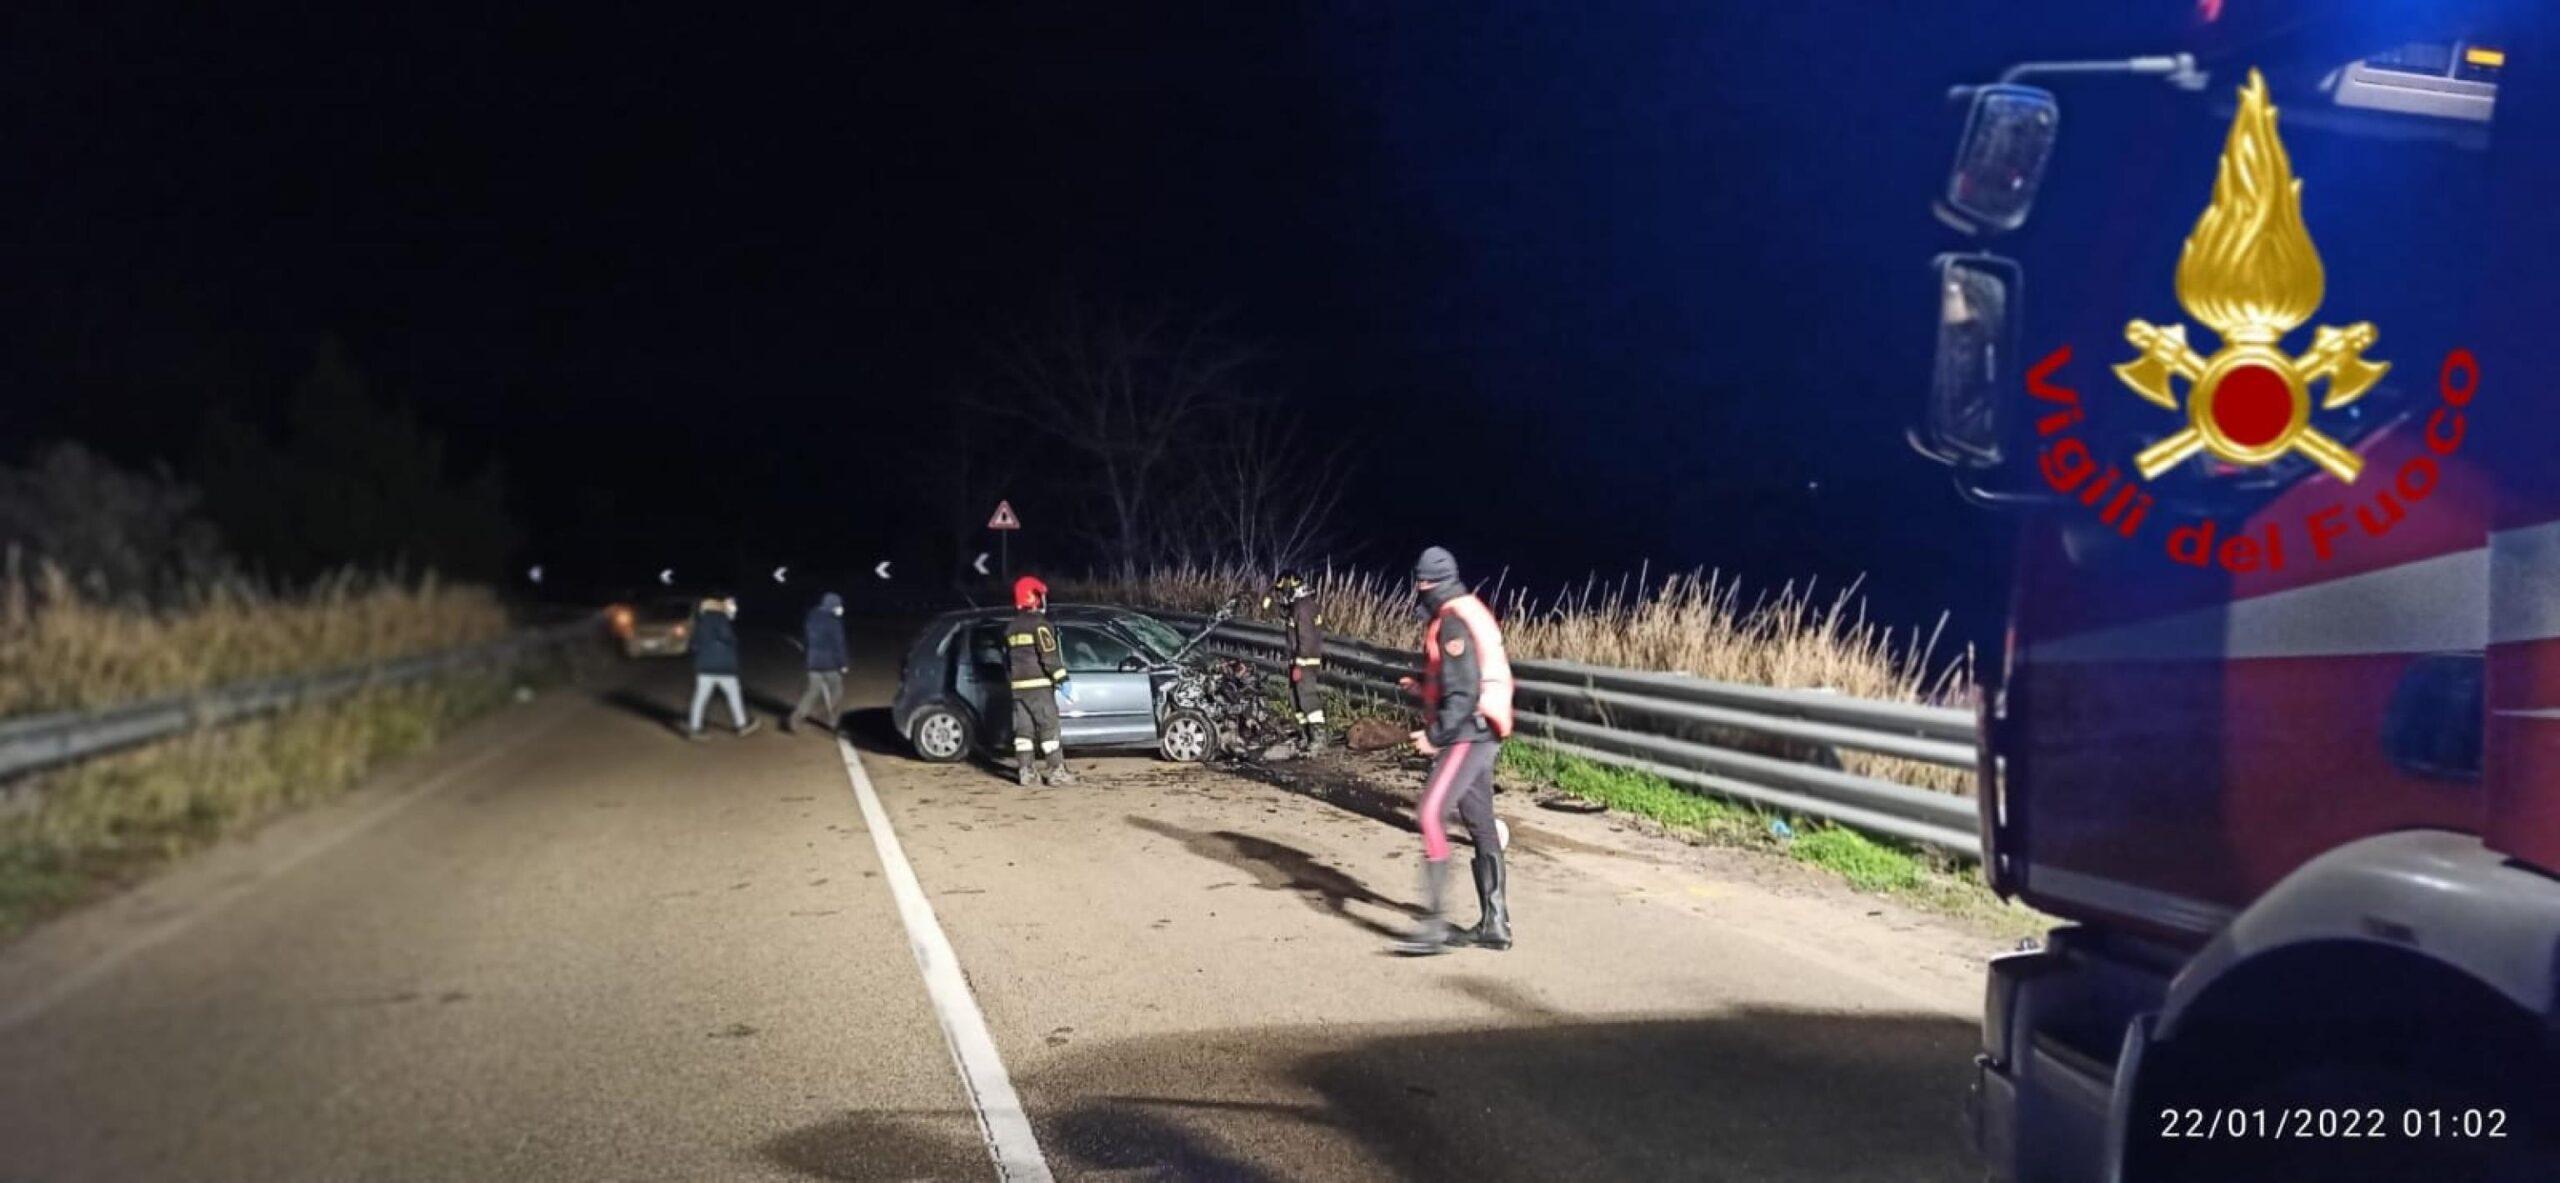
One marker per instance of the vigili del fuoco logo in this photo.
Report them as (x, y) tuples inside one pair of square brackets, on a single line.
[(2250, 273)]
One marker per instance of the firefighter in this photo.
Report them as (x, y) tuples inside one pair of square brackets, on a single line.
[(1037, 673), (1466, 714), (1306, 654)]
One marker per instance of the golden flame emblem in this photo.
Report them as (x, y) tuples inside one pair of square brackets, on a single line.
[(2250, 272)]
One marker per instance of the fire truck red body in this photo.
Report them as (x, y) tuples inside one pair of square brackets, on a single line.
[(2287, 763)]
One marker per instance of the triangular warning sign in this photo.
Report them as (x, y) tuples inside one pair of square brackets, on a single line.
[(1004, 519)]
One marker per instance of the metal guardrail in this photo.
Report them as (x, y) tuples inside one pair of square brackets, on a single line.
[(1682, 729), (33, 742)]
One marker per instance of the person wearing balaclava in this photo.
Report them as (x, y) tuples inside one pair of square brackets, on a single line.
[(822, 644), (1466, 713)]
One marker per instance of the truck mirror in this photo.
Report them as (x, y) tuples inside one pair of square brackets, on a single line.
[(1976, 360), (2000, 163)]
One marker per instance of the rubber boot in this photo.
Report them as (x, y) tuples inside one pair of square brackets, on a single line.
[(1493, 921), (1462, 938), (1058, 774), (1431, 937), (1311, 737), (1023, 772)]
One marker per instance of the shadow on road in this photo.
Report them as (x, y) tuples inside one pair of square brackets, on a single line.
[(1115, 1136), (639, 703), (1756, 1094), (767, 704), (1504, 995), (1112, 1135), (872, 733), (715, 713), (1336, 787), (1279, 867), (880, 1144)]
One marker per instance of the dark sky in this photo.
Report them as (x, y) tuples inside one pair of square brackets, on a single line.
[(1646, 273)]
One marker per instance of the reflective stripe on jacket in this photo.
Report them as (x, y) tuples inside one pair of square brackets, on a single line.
[(1031, 652), (1466, 676)]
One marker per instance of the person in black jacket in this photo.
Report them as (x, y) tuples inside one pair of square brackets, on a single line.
[(715, 665), (1466, 714), (1306, 654), (822, 640)]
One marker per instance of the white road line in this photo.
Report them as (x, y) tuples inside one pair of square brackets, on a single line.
[(54, 992), (1001, 1121)]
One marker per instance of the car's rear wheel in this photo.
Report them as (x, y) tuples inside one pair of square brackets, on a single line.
[(1187, 737), (940, 733)]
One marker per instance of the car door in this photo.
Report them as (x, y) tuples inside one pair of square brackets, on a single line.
[(980, 682), (1113, 704)]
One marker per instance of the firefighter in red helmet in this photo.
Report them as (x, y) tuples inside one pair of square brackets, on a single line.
[(1036, 673)]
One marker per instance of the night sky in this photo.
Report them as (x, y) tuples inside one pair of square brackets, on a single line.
[(1652, 277)]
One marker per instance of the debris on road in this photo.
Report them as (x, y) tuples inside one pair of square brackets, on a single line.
[(1568, 803), (1374, 735)]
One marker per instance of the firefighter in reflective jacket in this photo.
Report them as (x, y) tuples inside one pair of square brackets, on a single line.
[(1466, 714), (1037, 674), (1306, 654)]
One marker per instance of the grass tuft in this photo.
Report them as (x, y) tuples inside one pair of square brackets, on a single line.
[(1867, 864), (1628, 790), (1923, 878)]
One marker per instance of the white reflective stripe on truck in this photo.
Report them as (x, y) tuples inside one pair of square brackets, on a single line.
[(2524, 565), (2432, 605)]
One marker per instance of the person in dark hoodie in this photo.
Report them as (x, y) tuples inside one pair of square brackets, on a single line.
[(1466, 714), (715, 665), (822, 640)]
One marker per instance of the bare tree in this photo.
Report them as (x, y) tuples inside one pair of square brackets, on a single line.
[(116, 531), (1266, 493), (1124, 395), (958, 471)]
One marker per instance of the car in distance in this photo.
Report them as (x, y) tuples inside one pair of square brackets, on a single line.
[(953, 698), (659, 627)]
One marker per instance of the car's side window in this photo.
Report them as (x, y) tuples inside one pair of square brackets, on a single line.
[(986, 644), (1092, 651)]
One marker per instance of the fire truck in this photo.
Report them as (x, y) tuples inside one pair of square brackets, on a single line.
[(2254, 339)]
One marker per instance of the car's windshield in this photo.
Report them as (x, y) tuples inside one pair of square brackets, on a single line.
[(1160, 639), (669, 610)]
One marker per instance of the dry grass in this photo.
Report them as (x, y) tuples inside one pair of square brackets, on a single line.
[(1693, 623), (62, 650), (70, 833), (66, 834)]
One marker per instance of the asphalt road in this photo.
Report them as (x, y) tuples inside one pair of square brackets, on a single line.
[(569, 945)]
